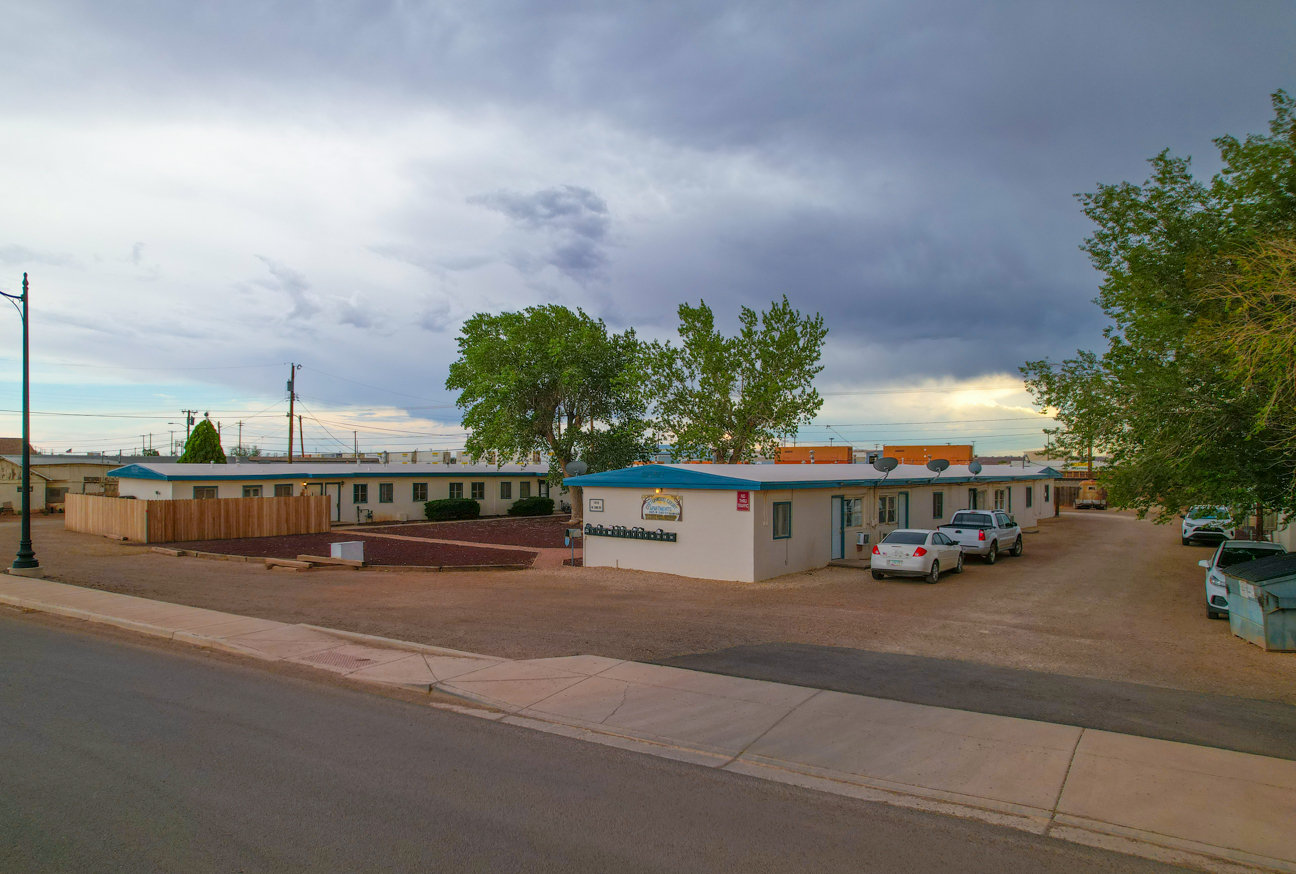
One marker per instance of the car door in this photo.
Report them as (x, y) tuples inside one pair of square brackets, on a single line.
[(1002, 530), (947, 549)]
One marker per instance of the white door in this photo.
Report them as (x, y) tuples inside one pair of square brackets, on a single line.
[(334, 491), (836, 528)]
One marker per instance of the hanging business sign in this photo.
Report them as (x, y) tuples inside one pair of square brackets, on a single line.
[(663, 508), (744, 501)]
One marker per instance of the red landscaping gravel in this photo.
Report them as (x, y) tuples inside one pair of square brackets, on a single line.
[(377, 550), (537, 531)]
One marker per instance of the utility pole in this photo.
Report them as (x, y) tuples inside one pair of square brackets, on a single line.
[(240, 443), (25, 563), (301, 436), (355, 435), (292, 397), (189, 421)]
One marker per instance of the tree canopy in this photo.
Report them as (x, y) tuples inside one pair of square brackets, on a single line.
[(1193, 397), (553, 380), (203, 445), (731, 398)]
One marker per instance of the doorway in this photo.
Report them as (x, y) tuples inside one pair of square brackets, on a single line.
[(837, 531), (334, 490), (902, 509)]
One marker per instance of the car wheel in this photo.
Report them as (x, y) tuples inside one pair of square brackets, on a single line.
[(1017, 547), (933, 575), (958, 568), (878, 575), (993, 555)]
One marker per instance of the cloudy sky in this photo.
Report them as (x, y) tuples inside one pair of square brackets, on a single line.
[(204, 192)]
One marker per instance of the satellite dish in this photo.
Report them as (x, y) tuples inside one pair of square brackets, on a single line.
[(936, 465), (575, 468), (886, 465), (974, 467)]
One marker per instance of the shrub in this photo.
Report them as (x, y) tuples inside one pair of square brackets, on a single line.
[(452, 508), (536, 506)]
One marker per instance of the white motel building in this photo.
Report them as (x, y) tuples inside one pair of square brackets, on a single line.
[(359, 492), (750, 522)]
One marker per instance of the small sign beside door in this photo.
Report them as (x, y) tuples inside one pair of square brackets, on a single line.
[(744, 501), (596, 505)]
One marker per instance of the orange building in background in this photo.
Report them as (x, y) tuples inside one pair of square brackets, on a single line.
[(814, 455), (954, 454)]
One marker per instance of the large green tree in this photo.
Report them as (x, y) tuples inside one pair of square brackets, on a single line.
[(1178, 399), (553, 380), (731, 398), (203, 445)]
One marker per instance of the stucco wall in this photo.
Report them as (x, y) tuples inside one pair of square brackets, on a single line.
[(714, 536), (810, 544), (402, 491)]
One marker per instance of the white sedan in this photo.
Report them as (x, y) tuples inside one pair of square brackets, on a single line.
[(916, 552)]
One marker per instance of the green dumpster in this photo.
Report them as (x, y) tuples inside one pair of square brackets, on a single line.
[(1262, 602)]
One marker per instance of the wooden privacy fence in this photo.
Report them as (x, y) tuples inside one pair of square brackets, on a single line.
[(214, 519)]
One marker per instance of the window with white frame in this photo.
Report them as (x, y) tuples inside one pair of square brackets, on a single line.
[(456, 490), (386, 493), (420, 492), (360, 493), (1000, 498), (886, 509), (852, 512)]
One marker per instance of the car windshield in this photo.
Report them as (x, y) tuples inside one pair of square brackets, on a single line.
[(973, 520), (911, 538), (1208, 513), (1238, 554)]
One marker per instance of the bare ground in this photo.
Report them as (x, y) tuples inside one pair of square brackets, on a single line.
[(378, 550), (1097, 595)]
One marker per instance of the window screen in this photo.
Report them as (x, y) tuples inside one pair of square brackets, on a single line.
[(782, 520)]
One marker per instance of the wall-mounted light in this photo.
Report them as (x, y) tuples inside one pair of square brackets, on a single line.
[(658, 491)]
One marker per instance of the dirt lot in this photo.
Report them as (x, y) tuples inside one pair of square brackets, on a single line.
[(1097, 595), (378, 550), (539, 531)]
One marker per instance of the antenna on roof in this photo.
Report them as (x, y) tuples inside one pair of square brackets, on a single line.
[(886, 465), (937, 465)]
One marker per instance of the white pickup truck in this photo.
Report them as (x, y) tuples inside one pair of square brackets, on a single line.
[(985, 533)]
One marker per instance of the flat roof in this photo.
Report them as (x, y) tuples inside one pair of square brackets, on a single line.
[(307, 471), (770, 477)]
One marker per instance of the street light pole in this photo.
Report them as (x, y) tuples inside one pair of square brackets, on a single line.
[(25, 563)]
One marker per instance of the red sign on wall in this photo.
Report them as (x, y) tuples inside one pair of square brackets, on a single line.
[(744, 501)]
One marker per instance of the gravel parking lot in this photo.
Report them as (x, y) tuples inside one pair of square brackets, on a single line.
[(1097, 595)]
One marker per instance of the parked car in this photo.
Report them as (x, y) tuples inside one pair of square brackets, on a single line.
[(985, 533), (1229, 553), (1091, 496), (1207, 523), (916, 552)]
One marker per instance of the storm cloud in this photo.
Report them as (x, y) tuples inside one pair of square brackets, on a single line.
[(907, 169)]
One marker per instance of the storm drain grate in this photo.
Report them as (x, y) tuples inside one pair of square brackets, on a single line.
[(338, 660)]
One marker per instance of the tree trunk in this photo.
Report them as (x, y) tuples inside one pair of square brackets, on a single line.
[(578, 506)]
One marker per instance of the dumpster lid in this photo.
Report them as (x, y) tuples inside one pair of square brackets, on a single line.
[(1268, 568)]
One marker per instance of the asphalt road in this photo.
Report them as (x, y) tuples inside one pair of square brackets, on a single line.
[(134, 757), (1265, 728)]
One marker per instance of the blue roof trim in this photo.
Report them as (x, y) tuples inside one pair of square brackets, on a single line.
[(135, 471), (661, 476)]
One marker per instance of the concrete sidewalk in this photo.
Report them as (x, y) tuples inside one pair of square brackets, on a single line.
[(1209, 808)]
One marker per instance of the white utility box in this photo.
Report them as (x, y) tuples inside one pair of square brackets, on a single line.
[(351, 550)]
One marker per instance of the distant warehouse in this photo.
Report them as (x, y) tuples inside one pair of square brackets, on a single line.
[(376, 492), (749, 522)]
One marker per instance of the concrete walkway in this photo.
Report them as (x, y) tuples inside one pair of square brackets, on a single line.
[(1208, 808)]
